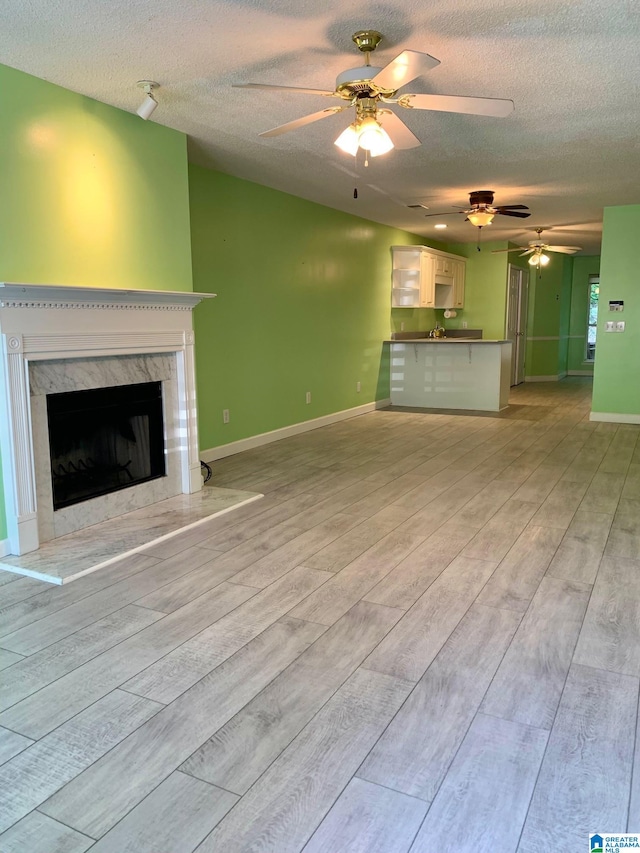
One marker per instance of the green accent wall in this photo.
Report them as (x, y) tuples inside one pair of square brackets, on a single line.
[(616, 387), (583, 267), (485, 289), (549, 309), (303, 304), (91, 195)]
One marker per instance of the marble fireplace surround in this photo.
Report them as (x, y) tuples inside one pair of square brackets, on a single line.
[(72, 333)]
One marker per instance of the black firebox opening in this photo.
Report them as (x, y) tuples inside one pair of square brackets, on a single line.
[(104, 440)]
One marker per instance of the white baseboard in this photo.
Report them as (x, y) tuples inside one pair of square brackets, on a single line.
[(4, 548), (614, 418), (543, 378), (580, 372), (233, 447)]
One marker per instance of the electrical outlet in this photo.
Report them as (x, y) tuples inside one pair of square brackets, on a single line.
[(358, 387), (308, 397), (610, 326), (464, 324), (620, 326), (225, 416)]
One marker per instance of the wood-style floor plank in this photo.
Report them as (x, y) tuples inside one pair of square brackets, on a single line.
[(37, 833), (529, 682), (624, 536), (484, 798), (182, 668), (48, 630), (497, 536), (574, 795), (416, 750), (368, 819), (11, 744), (43, 768), (283, 809), (558, 509), (177, 816), (515, 581), (242, 749), (97, 799), (409, 648), (412, 576), (578, 555), (55, 598), (38, 670), (57, 702), (8, 659), (347, 587), (342, 551), (610, 637)]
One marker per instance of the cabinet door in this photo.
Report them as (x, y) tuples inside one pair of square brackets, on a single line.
[(459, 269), (444, 266), (427, 281)]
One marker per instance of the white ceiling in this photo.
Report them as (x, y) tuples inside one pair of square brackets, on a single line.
[(572, 67)]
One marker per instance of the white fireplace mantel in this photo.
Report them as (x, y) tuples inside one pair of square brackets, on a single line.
[(43, 322)]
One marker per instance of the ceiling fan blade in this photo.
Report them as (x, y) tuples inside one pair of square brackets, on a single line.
[(400, 134), (517, 213), (496, 107), (403, 69), (283, 88), (528, 252), (566, 250), (512, 207), (516, 249), (300, 122), (449, 213)]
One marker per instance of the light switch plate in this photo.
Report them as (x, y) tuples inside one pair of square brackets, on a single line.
[(610, 326), (620, 326)]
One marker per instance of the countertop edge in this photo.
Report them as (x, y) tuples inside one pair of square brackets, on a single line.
[(445, 341)]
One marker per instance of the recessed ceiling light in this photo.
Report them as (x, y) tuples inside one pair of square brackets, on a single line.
[(440, 225)]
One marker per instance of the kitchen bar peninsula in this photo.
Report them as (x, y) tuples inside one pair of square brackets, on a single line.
[(456, 373)]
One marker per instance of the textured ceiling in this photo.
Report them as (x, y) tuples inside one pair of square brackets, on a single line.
[(572, 67)]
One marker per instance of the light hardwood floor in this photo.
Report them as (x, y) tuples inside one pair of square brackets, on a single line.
[(425, 637)]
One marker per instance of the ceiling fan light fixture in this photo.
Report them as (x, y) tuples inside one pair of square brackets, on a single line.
[(366, 134), (480, 218), (373, 138), (539, 259), (348, 141)]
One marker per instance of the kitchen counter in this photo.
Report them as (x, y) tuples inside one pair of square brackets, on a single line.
[(450, 373), (445, 341)]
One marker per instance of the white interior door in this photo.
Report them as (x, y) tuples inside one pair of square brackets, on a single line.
[(517, 301)]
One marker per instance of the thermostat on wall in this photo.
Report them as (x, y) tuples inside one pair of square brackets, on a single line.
[(616, 305)]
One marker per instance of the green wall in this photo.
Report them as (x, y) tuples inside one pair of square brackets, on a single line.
[(548, 324), (303, 296), (616, 384), (91, 195), (485, 289), (583, 267)]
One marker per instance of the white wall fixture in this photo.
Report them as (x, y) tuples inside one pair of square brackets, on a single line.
[(149, 104), (40, 323)]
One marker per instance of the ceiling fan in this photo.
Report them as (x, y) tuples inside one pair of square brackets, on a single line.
[(481, 209), (537, 248), (368, 88)]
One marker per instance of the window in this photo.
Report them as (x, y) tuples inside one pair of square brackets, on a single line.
[(592, 319)]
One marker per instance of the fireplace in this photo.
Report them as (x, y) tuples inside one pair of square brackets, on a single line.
[(104, 440), (57, 340)]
